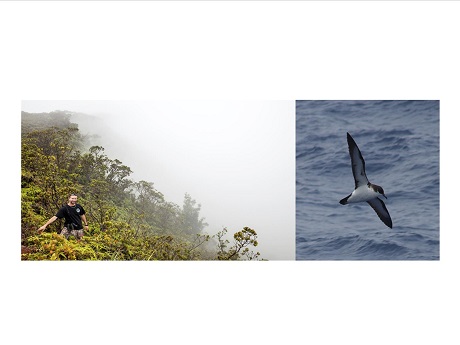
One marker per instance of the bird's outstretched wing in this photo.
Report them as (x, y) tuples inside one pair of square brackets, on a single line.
[(381, 210), (357, 163)]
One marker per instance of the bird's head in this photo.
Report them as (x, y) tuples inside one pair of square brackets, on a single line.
[(380, 191)]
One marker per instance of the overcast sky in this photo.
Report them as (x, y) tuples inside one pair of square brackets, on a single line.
[(235, 158)]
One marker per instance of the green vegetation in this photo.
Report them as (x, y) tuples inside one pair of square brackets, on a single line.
[(128, 220)]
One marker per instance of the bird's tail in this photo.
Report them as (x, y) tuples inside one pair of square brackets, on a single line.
[(344, 201)]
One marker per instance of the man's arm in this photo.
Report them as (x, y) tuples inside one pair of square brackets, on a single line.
[(85, 223), (52, 219)]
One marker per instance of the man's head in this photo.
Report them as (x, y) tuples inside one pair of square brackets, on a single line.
[(73, 199)]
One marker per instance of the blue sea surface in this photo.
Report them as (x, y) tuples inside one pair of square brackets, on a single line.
[(399, 141)]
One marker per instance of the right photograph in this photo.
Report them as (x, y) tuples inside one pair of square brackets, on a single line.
[(367, 180)]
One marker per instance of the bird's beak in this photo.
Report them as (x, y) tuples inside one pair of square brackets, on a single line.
[(385, 196)]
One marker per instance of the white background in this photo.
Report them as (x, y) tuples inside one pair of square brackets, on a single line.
[(235, 51)]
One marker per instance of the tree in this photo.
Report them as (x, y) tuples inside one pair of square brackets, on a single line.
[(191, 221), (46, 167), (240, 249)]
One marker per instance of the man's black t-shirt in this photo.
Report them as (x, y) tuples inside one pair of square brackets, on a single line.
[(72, 215)]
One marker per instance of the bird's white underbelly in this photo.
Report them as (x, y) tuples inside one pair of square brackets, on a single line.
[(361, 194)]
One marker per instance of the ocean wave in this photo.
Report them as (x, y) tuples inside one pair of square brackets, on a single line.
[(350, 247), (386, 250)]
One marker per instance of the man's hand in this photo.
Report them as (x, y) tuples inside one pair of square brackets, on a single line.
[(40, 230)]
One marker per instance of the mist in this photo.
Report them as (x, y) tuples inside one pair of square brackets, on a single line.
[(235, 158)]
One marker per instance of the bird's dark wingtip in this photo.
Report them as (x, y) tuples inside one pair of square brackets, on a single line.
[(388, 222), (350, 140)]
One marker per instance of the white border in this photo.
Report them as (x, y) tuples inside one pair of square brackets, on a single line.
[(230, 50)]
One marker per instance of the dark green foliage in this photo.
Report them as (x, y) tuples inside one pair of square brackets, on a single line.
[(114, 244), (128, 220), (37, 122)]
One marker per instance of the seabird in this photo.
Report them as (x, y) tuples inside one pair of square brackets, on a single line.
[(364, 190)]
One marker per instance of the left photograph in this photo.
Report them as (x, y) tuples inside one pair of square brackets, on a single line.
[(157, 180)]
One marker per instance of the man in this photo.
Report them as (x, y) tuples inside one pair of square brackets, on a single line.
[(75, 219)]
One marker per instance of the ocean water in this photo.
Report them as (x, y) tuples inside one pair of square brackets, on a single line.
[(399, 141)]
